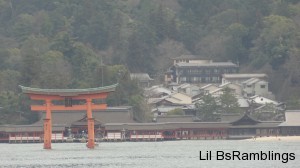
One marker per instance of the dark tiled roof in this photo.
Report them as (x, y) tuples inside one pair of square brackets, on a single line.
[(212, 64), (186, 57), (134, 126), (63, 117), (184, 125), (197, 125), (83, 122), (30, 128), (114, 117), (164, 126), (245, 119), (174, 118), (259, 125), (109, 115)]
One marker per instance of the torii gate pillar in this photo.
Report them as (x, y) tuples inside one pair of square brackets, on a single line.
[(47, 134), (91, 133), (48, 126)]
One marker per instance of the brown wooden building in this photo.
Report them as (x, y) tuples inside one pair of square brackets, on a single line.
[(241, 128), (117, 124), (65, 123)]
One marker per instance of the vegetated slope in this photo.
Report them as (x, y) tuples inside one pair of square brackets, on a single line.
[(70, 41)]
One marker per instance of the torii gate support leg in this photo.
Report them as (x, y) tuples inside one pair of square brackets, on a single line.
[(47, 126), (91, 133), (47, 138)]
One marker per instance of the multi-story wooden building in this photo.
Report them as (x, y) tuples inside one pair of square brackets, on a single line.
[(206, 71), (191, 69)]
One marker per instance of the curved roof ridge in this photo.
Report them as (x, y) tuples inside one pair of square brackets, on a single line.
[(245, 116), (68, 92)]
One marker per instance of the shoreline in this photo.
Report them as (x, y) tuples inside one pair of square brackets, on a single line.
[(276, 138)]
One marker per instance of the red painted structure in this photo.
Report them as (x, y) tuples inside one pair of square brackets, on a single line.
[(48, 96)]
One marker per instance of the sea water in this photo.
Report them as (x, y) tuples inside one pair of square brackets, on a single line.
[(166, 154)]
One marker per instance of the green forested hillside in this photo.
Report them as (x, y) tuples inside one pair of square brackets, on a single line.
[(70, 43)]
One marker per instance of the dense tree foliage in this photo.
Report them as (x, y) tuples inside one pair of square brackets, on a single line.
[(73, 42), (210, 108)]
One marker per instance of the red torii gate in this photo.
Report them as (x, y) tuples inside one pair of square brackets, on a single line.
[(68, 95)]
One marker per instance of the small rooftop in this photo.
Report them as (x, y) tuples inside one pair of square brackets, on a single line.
[(245, 75), (262, 100), (157, 89), (208, 85), (140, 76), (253, 81), (191, 57), (243, 102)]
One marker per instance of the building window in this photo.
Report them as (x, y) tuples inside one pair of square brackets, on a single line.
[(195, 79), (183, 79), (249, 86), (216, 70), (262, 86), (215, 79), (200, 71)]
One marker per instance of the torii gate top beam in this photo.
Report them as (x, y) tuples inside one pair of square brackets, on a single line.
[(68, 92)]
